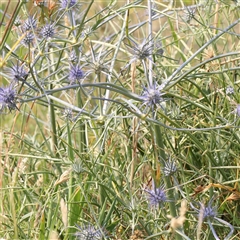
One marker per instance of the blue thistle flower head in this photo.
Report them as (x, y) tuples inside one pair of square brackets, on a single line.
[(209, 212), (206, 212), (75, 74), (157, 196), (152, 95), (8, 98), (67, 4), (139, 51), (28, 39), (30, 23), (48, 31), (88, 233), (18, 73)]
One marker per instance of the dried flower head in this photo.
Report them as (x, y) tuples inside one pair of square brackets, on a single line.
[(137, 235), (177, 222), (64, 211), (48, 31), (53, 235), (7, 98), (18, 73), (157, 196), (89, 232), (30, 23), (75, 74)]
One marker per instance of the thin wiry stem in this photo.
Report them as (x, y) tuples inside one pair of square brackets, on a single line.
[(228, 225), (199, 51), (10, 23), (114, 58), (212, 230), (150, 43)]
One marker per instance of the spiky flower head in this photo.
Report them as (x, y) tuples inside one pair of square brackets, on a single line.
[(139, 51), (67, 113), (152, 95), (206, 212), (189, 13), (169, 168), (75, 74), (157, 196), (48, 31), (30, 23), (88, 232), (67, 4), (229, 90), (209, 212), (18, 73), (7, 98), (28, 39), (78, 167)]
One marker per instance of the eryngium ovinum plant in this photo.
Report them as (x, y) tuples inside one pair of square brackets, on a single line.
[(112, 125)]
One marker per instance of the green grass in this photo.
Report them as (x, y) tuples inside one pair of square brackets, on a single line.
[(94, 165)]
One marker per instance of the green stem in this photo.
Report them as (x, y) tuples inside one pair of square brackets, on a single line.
[(81, 135), (10, 24), (168, 184), (71, 215), (53, 117)]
